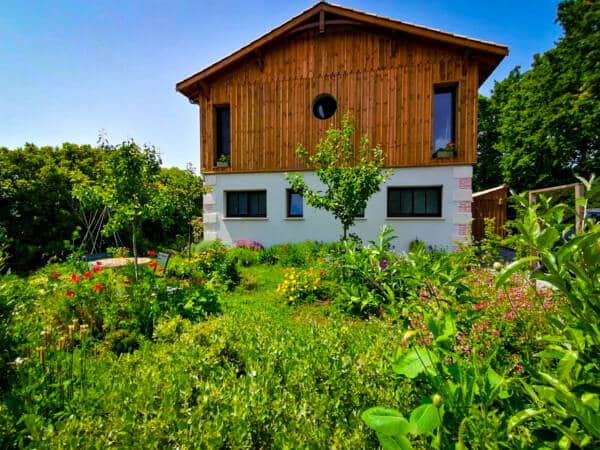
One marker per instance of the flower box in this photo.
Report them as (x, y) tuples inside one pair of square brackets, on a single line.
[(222, 163), (444, 154)]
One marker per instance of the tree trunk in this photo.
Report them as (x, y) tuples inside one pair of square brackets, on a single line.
[(135, 258)]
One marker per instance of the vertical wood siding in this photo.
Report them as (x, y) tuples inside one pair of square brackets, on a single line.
[(385, 82)]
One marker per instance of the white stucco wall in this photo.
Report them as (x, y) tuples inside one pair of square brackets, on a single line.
[(276, 228)]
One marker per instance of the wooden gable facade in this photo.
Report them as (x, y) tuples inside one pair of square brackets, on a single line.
[(382, 71)]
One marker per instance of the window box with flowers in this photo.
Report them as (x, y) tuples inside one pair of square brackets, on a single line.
[(223, 161), (449, 151)]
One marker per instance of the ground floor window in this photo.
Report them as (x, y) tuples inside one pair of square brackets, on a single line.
[(294, 204), (414, 201), (246, 203)]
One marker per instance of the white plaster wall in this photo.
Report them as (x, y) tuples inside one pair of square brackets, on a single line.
[(276, 228)]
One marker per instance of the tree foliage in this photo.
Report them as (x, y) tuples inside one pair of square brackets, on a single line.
[(351, 176), (47, 193), (540, 127)]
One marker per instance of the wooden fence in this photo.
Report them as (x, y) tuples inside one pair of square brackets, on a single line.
[(490, 203)]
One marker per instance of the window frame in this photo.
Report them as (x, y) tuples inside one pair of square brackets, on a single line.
[(288, 204), (413, 189), (220, 149), (228, 212), (442, 88)]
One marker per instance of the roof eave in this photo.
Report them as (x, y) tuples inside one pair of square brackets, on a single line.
[(188, 86)]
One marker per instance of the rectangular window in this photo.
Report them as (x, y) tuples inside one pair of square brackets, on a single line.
[(444, 116), (223, 131), (294, 204), (246, 203), (414, 202), (361, 214)]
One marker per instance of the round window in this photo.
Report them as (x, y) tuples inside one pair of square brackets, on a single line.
[(324, 106)]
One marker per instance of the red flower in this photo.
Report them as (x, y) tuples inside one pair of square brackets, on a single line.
[(97, 269), (151, 253), (99, 287), (98, 263), (128, 281), (126, 249), (56, 275), (518, 367), (75, 278), (152, 264), (87, 275), (160, 270), (70, 294)]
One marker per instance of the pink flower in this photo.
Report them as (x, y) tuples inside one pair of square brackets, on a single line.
[(56, 275), (518, 367), (70, 294), (98, 287), (495, 333)]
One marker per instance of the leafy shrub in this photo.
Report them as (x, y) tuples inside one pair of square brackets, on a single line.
[(245, 257)]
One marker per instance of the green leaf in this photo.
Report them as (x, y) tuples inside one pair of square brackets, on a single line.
[(565, 365), (394, 442), (512, 268), (425, 419), (414, 362), (521, 416), (386, 421), (493, 378)]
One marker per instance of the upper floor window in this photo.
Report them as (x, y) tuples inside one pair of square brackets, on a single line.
[(246, 203), (223, 131), (294, 204), (444, 116), (414, 201), (324, 106)]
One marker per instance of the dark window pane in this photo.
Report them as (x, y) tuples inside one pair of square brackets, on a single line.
[(443, 116), (433, 202), (414, 202), (246, 204), (223, 125), (419, 202), (295, 204), (406, 202)]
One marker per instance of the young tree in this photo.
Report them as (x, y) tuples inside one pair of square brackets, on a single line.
[(350, 176), (131, 173)]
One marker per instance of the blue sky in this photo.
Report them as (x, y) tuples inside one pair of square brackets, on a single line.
[(70, 70)]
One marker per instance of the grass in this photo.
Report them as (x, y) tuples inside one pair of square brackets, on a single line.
[(261, 374)]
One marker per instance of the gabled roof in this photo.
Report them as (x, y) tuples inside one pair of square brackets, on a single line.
[(491, 52)]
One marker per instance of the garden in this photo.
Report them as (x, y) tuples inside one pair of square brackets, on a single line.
[(311, 345)]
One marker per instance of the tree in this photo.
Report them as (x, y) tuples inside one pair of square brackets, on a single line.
[(131, 173), (546, 118), (36, 206), (350, 177)]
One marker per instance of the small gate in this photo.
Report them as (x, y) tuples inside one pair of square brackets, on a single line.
[(490, 203)]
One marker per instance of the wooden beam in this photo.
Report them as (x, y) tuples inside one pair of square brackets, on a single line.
[(260, 59), (321, 22), (553, 188)]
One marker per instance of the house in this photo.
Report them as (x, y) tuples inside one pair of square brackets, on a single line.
[(411, 89)]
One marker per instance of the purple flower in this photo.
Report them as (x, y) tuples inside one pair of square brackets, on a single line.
[(249, 243), (383, 263)]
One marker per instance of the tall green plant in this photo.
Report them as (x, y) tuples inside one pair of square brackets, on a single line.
[(566, 379), (129, 188), (351, 176)]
